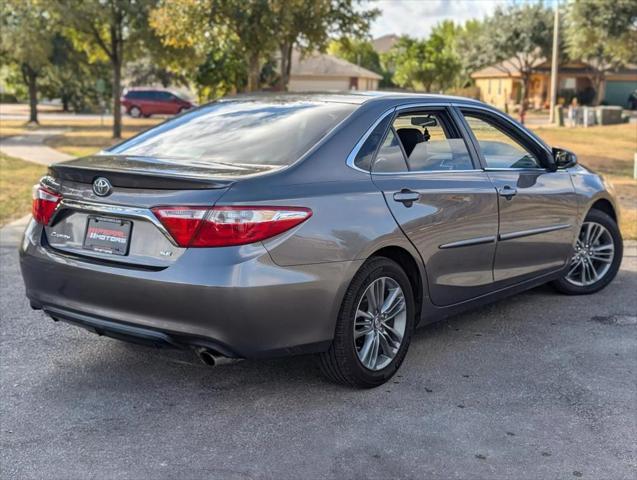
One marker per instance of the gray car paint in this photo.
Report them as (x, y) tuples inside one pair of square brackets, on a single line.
[(282, 296)]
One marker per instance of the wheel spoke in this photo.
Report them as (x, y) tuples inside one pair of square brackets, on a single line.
[(366, 315), (391, 298), (387, 345), (366, 348), (373, 353)]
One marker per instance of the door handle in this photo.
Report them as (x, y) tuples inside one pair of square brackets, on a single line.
[(406, 197), (507, 192)]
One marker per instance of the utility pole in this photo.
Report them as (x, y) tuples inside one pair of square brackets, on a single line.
[(554, 61)]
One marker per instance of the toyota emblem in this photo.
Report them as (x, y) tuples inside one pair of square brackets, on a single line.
[(102, 187)]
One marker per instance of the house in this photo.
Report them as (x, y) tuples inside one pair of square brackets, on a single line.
[(501, 84), (323, 72)]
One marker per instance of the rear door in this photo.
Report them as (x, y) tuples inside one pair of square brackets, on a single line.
[(537, 205), (445, 204)]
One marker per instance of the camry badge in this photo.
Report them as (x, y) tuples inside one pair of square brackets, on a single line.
[(102, 187)]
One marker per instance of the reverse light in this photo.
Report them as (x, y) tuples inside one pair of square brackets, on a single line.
[(227, 226), (45, 202)]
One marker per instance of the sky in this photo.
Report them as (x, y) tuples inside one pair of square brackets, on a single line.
[(417, 17)]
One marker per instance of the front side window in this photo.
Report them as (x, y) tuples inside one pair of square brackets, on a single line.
[(499, 149), (239, 132)]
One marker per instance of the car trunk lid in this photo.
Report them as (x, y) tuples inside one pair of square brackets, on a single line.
[(120, 227)]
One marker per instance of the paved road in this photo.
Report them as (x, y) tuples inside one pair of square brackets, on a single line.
[(537, 386)]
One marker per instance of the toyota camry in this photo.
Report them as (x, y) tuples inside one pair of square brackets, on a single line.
[(331, 224)]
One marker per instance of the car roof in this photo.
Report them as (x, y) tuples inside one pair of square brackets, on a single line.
[(351, 97)]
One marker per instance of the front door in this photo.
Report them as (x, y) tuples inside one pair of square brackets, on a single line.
[(445, 205), (538, 206)]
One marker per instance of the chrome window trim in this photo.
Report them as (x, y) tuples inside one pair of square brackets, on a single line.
[(516, 169), (117, 210), (425, 172)]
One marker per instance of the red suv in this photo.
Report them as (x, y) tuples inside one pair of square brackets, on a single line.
[(147, 102)]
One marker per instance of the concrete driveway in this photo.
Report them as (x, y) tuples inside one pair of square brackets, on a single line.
[(536, 386)]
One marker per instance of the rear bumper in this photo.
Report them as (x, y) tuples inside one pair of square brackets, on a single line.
[(234, 300)]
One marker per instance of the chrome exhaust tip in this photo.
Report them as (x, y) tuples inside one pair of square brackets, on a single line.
[(213, 359)]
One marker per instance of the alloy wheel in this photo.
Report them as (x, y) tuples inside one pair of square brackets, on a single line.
[(594, 253), (379, 326)]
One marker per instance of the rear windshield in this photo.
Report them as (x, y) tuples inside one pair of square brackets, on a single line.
[(239, 132)]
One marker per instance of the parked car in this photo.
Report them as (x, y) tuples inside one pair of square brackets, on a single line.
[(327, 224), (146, 102)]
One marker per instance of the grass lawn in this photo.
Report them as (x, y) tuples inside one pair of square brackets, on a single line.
[(17, 177), (609, 150)]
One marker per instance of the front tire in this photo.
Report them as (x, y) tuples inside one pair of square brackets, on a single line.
[(374, 326), (597, 256)]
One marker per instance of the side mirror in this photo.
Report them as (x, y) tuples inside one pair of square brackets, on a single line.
[(564, 158)]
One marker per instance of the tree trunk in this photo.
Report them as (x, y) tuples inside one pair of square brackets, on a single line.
[(597, 79), (32, 84), (117, 107), (284, 77), (526, 80), (117, 58), (254, 73), (65, 102)]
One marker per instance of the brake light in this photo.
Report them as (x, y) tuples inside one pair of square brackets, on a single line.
[(45, 202), (226, 226)]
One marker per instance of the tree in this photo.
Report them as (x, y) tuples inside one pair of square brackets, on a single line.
[(72, 78), (26, 42), (357, 51), (254, 30), (473, 47), (308, 25), (110, 29), (245, 27), (520, 34), (442, 44), (413, 69), (425, 64), (602, 34)]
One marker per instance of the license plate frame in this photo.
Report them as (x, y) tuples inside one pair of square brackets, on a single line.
[(107, 235)]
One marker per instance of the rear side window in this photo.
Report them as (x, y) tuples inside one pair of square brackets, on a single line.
[(390, 156), (240, 132), (366, 153), (431, 143)]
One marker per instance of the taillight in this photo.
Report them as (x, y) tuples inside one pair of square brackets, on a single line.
[(44, 204), (226, 226)]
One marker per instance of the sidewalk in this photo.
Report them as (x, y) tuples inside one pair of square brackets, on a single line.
[(31, 147)]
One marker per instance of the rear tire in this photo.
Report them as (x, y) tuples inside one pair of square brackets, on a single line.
[(346, 361), (595, 254)]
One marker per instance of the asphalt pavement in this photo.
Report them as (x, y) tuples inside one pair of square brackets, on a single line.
[(538, 386)]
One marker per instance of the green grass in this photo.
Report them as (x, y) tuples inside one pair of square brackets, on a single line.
[(17, 177)]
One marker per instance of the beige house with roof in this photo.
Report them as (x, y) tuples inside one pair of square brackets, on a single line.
[(501, 84), (323, 72)]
